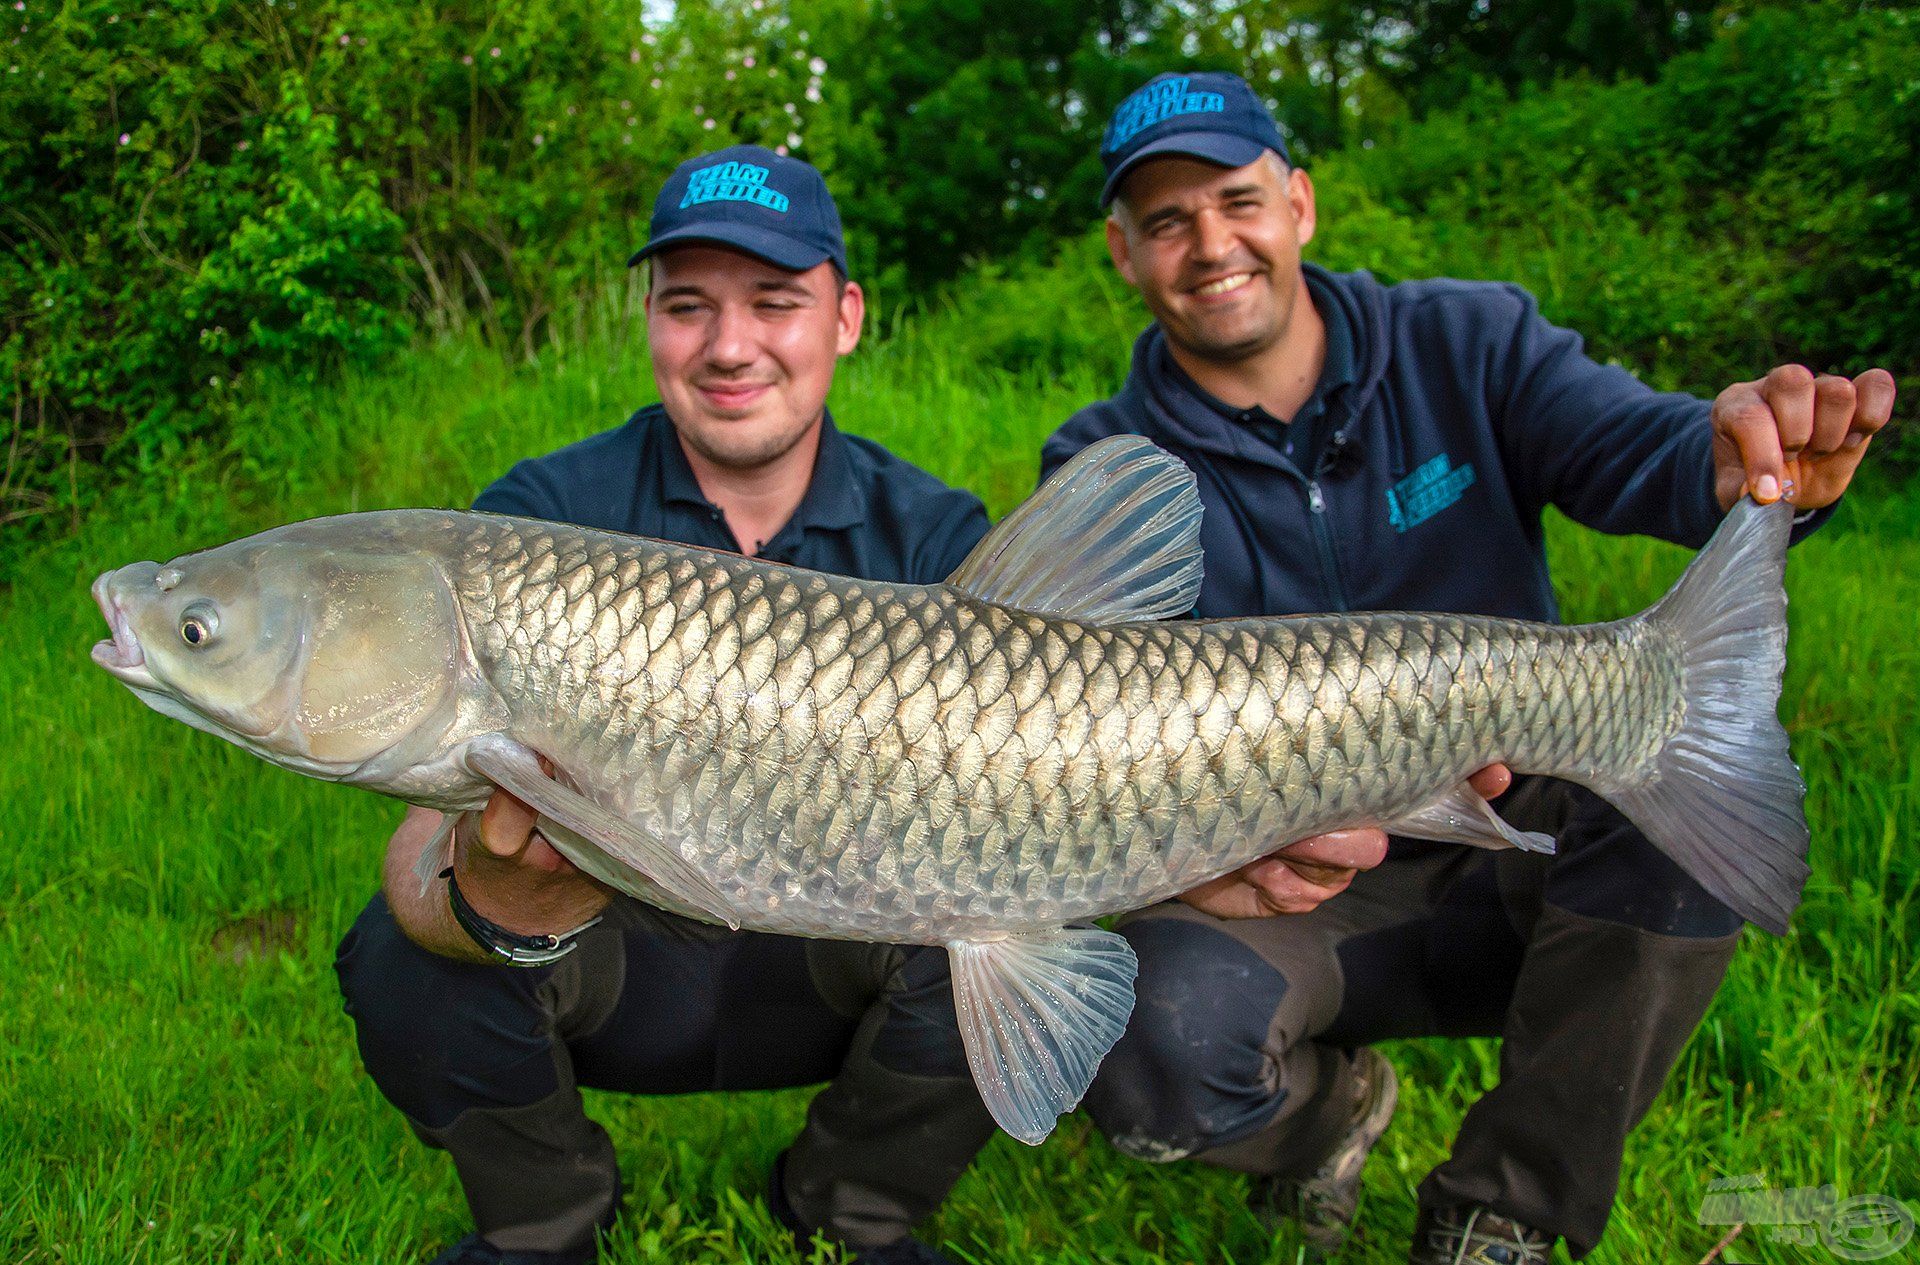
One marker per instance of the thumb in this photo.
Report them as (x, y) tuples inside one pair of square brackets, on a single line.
[(506, 825)]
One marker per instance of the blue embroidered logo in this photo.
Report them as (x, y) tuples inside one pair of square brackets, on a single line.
[(1427, 491), (1156, 103), (733, 182)]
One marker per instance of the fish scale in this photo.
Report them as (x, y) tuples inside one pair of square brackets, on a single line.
[(920, 754)]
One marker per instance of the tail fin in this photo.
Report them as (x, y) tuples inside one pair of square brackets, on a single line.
[(1725, 799)]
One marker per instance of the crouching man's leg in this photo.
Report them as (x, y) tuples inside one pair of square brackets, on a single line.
[(1246, 1045), (1217, 1060), (1624, 954), (470, 1055), (901, 1120)]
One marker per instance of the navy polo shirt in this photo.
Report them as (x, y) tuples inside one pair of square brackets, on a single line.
[(866, 513)]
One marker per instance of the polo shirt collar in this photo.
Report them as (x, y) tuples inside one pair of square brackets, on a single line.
[(834, 501), (1337, 370)]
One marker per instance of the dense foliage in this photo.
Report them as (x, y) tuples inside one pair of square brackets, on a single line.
[(196, 195)]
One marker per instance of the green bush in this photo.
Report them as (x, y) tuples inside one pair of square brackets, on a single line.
[(1758, 203)]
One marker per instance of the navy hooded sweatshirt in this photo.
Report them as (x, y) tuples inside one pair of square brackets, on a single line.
[(1449, 416)]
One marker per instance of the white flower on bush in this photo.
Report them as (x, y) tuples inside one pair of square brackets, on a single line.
[(708, 125), (818, 66)]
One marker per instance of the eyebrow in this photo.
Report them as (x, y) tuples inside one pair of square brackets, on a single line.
[(688, 290), (1169, 212)]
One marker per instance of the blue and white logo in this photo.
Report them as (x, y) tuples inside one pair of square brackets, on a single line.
[(733, 182), (1156, 103), (1427, 491)]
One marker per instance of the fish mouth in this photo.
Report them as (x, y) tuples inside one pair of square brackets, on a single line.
[(120, 653)]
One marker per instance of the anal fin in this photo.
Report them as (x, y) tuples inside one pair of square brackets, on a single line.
[(1037, 1014), (1463, 815)]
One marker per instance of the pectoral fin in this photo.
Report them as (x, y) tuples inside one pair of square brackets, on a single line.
[(566, 812), (1037, 1013), (438, 854), (1463, 815)]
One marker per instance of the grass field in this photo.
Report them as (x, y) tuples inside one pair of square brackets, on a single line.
[(178, 1084)]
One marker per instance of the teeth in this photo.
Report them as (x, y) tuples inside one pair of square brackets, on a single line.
[(1225, 284)]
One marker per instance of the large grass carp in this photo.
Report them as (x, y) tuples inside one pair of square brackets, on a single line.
[(981, 764)]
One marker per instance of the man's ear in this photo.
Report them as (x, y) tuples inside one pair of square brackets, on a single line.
[(1300, 195), (853, 315), (1117, 249)]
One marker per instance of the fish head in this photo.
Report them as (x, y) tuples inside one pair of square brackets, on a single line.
[(315, 654)]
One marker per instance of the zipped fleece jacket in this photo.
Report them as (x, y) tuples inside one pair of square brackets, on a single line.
[(1423, 484)]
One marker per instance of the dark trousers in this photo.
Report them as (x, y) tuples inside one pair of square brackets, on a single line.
[(486, 1062), (1594, 965)]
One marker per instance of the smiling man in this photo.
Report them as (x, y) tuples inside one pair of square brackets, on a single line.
[(748, 310), (1367, 447)]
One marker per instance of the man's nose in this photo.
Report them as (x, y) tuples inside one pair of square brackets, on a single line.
[(1212, 236), (730, 343)]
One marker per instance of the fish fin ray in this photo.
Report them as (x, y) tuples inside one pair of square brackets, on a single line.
[(1037, 1014), (1725, 799), (1113, 537), (515, 769), (1463, 815), (438, 854)]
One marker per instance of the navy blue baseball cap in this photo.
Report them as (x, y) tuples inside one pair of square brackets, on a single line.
[(1207, 115), (770, 206)]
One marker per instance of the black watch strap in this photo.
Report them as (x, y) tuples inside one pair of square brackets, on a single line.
[(509, 946)]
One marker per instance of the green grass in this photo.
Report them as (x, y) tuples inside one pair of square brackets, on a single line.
[(178, 1084)]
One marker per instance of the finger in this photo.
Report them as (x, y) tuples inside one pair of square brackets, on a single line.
[(1789, 392), (541, 855), (1493, 781), (1748, 423), (1361, 848), (1833, 405), (1284, 890), (506, 825), (1873, 405)]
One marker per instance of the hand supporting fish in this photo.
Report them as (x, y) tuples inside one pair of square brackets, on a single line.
[(983, 764)]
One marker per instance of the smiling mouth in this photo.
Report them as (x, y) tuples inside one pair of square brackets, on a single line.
[(733, 394), (1225, 285)]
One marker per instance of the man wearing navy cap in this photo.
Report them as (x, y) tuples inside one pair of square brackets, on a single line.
[(1360, 446), (748, 309)]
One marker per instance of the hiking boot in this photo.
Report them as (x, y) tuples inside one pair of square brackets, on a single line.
[(1474, 1236), (907, 1251), (1323, 1204), (475, 1250)]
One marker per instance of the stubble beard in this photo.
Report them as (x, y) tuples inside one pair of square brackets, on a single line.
[(755, 454)]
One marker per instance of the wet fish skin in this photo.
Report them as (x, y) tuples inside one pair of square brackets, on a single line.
[(904, 763)]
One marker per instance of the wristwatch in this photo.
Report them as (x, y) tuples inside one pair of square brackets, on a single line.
[(510, 946)]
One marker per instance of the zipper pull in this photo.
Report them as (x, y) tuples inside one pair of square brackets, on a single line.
[(1315, 502)]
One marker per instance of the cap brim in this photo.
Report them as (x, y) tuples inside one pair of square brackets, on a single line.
[(781, 252), (1214, 147)]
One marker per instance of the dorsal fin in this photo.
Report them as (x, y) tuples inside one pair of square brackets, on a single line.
[(1113, 537)]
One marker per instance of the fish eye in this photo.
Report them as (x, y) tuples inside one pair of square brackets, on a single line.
[(197, 626)]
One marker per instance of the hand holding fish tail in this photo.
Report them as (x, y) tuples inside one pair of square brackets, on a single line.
[(1796, 436)]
